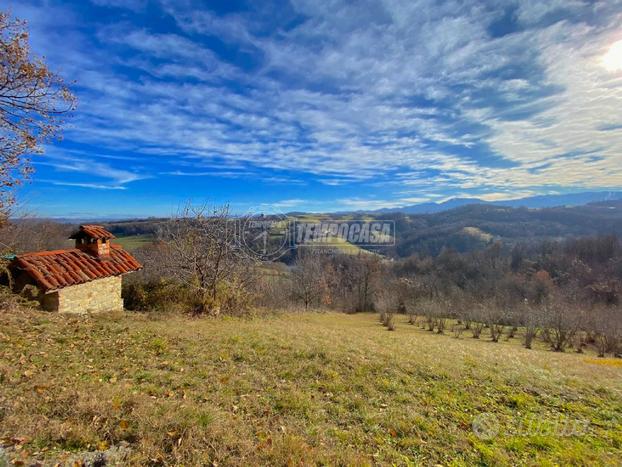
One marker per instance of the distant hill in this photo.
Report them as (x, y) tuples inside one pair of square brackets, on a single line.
[(541, 201), (475, 226), (468, 227)]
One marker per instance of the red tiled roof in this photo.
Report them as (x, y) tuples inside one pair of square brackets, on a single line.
[(54, 270), (93, 231)]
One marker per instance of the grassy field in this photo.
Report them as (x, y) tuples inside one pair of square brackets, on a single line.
[(132, 242), (295, 389)]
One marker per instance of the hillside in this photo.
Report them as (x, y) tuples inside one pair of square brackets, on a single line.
[(293, 389), (475, 226), (464, 229)]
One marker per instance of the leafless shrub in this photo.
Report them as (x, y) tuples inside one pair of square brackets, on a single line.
[(431, 322), (476, 329), (608, 326), (493, 318), (386, 297), (412, 318), (561, 318), (388, 321), (387, 302), (441, 324), (530, 318), (197, 248), (579, 341), (429, 308)]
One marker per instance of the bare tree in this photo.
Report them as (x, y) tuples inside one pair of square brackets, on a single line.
[(33, 101), (410, 292), (198, 248), (530, 317), (354, 280), (607, 324), (367, 270), (387, 301), (308, 281), (496, 329), (19, 236), (561, 318), (477, 320)]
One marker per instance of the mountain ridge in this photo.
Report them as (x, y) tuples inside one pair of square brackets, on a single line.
[(533, 202)]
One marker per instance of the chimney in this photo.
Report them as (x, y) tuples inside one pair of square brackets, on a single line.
[(94, 240)]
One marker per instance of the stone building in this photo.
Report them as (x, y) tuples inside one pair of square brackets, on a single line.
[(83, 279)]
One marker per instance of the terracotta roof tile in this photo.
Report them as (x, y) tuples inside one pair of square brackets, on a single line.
[(93, 231), (54, 270)]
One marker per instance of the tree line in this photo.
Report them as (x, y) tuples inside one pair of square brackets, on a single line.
[(563, 293)]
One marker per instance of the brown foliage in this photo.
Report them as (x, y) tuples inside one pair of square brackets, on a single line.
[(33, 101)]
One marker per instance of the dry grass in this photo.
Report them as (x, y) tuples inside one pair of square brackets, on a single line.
[(605, 361), (294, 389)]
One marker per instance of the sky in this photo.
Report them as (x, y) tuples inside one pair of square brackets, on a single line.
[(333, 105)]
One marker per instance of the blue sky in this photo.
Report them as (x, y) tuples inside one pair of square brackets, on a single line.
[(335, 105)]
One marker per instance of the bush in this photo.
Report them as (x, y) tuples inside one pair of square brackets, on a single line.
[(152, 295), (11, 302), (164, 295), (388, 321), (8, 301)]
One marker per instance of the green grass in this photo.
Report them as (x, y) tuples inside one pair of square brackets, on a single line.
[(132, 242), (316, 388)]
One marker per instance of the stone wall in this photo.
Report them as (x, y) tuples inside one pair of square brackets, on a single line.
[(92, 297)]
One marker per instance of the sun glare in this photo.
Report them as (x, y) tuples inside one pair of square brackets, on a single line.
[(612, 60)]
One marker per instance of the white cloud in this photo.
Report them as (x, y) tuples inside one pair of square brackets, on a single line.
[(93, 186), (75, 162), (416, 91), (533, 11)]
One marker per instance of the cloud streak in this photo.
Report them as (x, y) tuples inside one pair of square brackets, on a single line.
[(476, 97)]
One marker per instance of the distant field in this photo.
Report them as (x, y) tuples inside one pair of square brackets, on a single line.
[(341, 245), (131, 242), (296, 389)]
